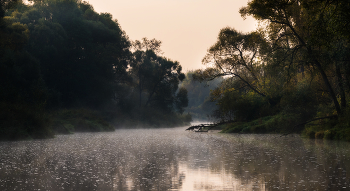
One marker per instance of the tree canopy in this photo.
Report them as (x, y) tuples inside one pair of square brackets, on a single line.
[(296, 63), (61, 54)]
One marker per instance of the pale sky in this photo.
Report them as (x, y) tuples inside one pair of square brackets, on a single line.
[(187, 28)]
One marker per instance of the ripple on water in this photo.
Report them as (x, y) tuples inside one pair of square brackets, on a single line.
[(173, 159)]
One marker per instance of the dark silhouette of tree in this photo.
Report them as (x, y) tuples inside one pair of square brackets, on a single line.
[(156, 78)]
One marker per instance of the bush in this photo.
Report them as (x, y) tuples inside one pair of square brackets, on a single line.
[(338, 134), (280, 123), (328, 134), (319, 135), (337, 128), (83, 120), (20, 121)]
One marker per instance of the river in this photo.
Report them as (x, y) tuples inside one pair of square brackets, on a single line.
[(174, 159)]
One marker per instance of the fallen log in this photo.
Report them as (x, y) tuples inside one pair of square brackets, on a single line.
[(198, 128), (201, 126)]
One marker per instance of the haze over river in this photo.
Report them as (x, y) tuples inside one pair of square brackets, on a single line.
[(174, 159)]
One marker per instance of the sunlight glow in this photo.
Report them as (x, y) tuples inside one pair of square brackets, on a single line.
[(186, 28)]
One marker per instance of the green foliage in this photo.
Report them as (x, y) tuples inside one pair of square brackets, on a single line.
[(82, 120), (334, 128), (20, 121), (79, 56), (235, 55), (59, 55), (237, 102), (295, 68), (309, 36), (336, 133), (280, 123), (156, 78), (181, 100), (319, 135), (300, 100)]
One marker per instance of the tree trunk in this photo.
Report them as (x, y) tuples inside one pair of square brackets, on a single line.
[(326, 81), (341, 87), (319, 66)]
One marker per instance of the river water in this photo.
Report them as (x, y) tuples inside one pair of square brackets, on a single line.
[(174, 159)]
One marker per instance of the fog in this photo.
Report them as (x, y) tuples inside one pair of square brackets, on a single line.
[(173, 159)]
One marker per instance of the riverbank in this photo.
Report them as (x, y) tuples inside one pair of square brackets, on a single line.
[(25, 122), (281, 123), (330, 128)]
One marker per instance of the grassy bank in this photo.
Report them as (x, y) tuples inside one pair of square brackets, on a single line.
[(337, 128), (22, 122), (281, 123), (333, 128), (67, 121)]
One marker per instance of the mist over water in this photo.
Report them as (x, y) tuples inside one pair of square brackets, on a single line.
[(174, 159)]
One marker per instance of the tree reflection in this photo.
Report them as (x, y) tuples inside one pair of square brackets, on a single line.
[(173, 160)]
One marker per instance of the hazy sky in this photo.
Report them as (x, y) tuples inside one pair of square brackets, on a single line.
[(187, 28)]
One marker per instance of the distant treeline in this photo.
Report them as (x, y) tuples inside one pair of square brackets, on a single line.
[(290, 75), (201, 105), (64, 67)]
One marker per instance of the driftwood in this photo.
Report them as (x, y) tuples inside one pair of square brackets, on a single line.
[(199, 128)]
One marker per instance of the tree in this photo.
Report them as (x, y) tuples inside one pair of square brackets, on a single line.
[(156, 78), (200, 104), (22, 90), (239, 56), (181, 100), (83, 55), (61, 54), (304, 24)]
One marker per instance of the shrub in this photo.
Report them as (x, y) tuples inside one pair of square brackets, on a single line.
[(69, 120), (319, 135), (328, 134), (20, 121), (310, 133)]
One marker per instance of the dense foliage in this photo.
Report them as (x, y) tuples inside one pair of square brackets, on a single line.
[(293, 71), (64, 67)]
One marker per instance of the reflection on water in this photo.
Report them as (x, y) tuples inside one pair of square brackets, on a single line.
[(172, 159)]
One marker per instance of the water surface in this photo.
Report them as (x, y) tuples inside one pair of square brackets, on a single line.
[(173, 159)]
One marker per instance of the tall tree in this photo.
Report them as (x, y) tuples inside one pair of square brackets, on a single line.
[(302, 22), (156, 77), (83, 54), (236, 55)]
